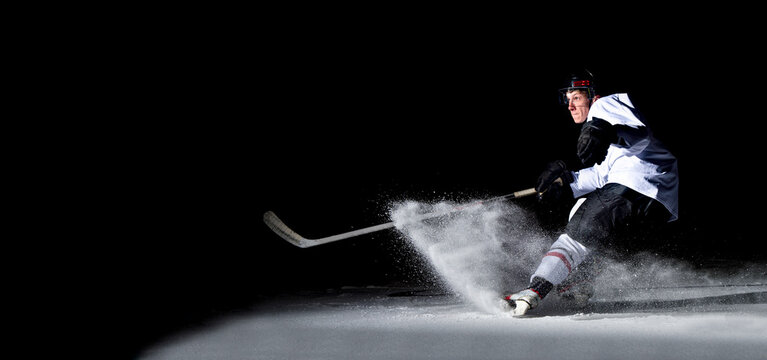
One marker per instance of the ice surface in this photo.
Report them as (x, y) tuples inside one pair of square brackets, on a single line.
[(649, 307), (378, 324)]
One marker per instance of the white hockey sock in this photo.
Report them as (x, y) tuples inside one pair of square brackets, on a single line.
[(564, 255)]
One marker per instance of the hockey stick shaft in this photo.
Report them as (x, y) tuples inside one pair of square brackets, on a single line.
[(273, 222)]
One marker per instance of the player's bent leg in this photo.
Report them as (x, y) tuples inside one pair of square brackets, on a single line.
[(563, 256)]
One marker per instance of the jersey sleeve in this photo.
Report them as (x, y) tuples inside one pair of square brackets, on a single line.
[(589, 179)]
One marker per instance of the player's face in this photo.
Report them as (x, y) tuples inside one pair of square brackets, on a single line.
[(578, 104)]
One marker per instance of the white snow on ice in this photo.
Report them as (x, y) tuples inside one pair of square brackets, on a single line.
[(639, 312), (368, 324)]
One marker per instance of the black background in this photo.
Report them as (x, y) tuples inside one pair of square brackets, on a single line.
[(329, 125)]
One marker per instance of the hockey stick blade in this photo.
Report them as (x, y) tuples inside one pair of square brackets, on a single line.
[(279, 227)]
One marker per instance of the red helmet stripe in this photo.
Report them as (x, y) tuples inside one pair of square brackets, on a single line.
[(581, 83)]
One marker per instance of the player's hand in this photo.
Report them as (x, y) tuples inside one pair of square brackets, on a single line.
[(596, 137), (548, 188)]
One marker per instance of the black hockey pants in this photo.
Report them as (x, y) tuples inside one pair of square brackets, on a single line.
[(618, 220)]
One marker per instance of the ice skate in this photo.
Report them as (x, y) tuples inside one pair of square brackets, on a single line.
[(577, 294), (578, 288), (519, 303)]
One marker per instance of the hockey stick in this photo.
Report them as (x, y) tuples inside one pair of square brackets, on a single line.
[(279, 227)]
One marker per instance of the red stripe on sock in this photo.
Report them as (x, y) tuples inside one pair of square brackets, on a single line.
[(561, 257)]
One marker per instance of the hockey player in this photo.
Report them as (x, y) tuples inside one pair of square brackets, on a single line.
[(630, 180)]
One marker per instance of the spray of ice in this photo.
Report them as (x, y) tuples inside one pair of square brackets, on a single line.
[(478, 252), (485, 251)]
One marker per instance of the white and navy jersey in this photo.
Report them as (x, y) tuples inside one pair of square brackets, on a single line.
[(638, 161)]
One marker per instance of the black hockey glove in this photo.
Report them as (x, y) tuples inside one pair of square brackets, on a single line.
[(548, 188), (596, 136)]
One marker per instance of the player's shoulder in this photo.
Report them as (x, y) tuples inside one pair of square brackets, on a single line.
[(616, 109), (614, 100)]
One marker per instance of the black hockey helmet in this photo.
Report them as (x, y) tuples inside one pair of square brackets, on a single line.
[(578, 81)]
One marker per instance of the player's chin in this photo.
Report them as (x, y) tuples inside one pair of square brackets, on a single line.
[(578, 119)]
